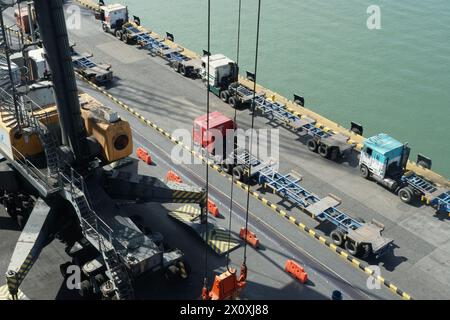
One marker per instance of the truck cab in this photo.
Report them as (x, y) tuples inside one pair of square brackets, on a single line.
[(220, 126), (384, 159), (222, 72), (112, 16)]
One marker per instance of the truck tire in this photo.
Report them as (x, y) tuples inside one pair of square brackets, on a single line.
[(233, 102), (125, 38), (324, 150), (104, 27), (337, 237), (352, 247), (312, 145), (334, 154), (183, 71), (175, 66), (364, 171), (119, 34), (225, 95), (226, 167), (406, 194), (238, 173)]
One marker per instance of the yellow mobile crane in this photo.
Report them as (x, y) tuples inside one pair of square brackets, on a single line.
[(54, 156)]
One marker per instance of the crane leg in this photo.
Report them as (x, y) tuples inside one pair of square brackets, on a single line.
[(33, 239)]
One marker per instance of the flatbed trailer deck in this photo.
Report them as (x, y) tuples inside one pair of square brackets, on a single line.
[(358, 237)]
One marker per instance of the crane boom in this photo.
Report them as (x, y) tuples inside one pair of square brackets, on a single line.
[(52, 24)]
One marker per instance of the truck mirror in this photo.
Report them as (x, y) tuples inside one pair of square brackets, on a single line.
[(101, 2), (300, 100), (251, 76), (356, 128), (206, 53), (424, 161), (170, 36)]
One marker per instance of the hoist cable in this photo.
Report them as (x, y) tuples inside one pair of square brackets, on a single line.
[(253, 124)]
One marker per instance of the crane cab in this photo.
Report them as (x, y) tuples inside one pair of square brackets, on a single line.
[(384, 159)]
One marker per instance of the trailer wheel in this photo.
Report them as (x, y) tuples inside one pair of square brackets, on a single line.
[(225, 95), (337, 237), (324, 151), (183, 71), (175, 66), (334, 154), (233, 102), (364, 171), (406, 194), (312, 145), (352, 247), (238, 173), (228, 168)]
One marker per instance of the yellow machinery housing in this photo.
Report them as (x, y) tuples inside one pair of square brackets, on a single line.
[(112, 133)]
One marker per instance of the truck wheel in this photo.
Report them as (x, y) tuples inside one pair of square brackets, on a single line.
[(176, 66), (337, 237), (224, 95), (233, 102), (364, 171), (183, 71), (406, 195), (238, 173), (125, 38), (352, 247), (226, 167), (119, 34), (104, 27), (334, 154), (312, 145), (324, 151)]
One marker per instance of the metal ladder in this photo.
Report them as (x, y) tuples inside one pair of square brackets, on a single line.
[(97, 232)]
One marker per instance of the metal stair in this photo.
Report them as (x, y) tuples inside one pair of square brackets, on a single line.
[(118, 274), (100, 235), (51, 150)]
